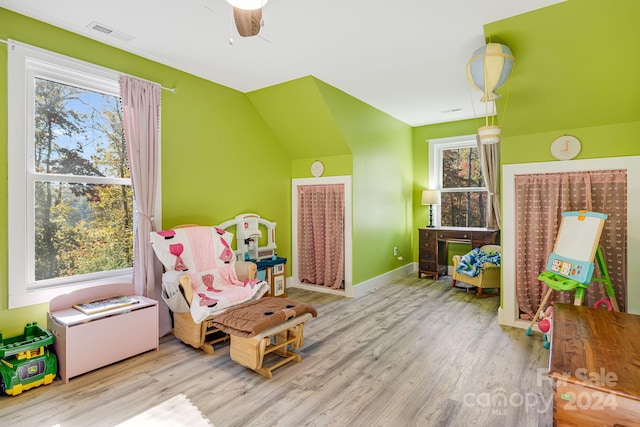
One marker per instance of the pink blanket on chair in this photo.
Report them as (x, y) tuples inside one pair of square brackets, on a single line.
[(201, 253)]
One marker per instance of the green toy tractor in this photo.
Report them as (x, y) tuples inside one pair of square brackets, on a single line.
[(26, 361)]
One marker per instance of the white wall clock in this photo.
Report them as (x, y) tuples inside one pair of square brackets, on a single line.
[(565, 147), (317, 168)]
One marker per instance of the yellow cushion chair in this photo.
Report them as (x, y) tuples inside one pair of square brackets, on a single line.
[(489, 277)]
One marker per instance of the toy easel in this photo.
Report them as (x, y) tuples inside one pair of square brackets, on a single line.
[(570, 265)]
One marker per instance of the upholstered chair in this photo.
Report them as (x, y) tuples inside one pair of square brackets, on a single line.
[(489, 277)]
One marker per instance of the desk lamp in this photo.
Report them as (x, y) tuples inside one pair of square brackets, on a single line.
[(430, 197)]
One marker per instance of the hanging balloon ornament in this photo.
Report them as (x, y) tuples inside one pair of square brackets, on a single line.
[(487, 70), (247, 15)]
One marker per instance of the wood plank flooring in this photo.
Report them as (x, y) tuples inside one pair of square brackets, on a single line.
[(411, 353)]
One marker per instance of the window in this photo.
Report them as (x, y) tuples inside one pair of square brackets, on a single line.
[(454, 167), (70, 194)]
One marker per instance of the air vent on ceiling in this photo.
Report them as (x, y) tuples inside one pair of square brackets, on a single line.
[(109, 31), (450, 110)]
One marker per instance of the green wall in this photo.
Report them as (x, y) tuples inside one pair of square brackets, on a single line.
[(576, 73), (297, 113), (225, 153), (219, 158), (576, 66), (382, 183), (315, 121)]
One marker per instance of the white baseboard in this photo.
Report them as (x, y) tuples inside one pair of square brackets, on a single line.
[(367, 286), (361, 288), (505, 319), (320, 288)]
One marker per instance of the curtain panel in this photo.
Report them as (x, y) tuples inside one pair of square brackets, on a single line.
[(321, 235), (141, 109), (540, 201)]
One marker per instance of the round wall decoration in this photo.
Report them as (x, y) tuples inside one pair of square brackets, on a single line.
[(317, 168), (565, 147)]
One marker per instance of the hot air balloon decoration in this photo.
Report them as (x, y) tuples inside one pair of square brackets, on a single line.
[(488, 69)]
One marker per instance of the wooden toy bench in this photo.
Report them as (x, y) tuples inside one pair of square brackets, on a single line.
[(281, 340)]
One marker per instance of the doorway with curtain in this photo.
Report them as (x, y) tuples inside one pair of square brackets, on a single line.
[(610, 183), (542, 198), (321, 234)]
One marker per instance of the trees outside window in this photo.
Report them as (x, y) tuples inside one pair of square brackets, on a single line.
[(454, 167), (82, 217), (70, 193)]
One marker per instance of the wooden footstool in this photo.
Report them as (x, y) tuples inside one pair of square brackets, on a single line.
[(281, 339)]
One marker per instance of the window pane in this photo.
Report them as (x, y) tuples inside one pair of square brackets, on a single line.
[(461, 168), (82, 228), (78, 132), (463, 209)]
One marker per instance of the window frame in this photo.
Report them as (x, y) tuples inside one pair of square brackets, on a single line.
[(436, 147), (25, 63)]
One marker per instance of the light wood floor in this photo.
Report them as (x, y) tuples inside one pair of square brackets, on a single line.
[(411, 353)]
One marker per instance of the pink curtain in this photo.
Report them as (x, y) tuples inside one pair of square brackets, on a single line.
[(540, 201), (321, 235), (141, 107)]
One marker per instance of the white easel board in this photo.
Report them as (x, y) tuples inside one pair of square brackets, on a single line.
[(579, 235)]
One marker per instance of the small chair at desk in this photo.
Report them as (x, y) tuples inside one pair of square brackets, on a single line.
[(489, 277)]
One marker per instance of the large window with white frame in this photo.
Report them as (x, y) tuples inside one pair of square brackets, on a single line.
[(70, 193), (455, 170)]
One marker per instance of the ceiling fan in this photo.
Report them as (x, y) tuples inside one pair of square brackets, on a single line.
[(247, 15)]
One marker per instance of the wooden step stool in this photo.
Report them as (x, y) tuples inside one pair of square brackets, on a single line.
[(250, 352)]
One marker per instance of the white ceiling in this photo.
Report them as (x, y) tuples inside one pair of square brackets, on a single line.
[(404, 57)]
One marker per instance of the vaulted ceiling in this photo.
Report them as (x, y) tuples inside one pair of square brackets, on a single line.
[(407, 58)]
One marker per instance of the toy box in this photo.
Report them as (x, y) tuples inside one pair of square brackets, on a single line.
[(26, 361)]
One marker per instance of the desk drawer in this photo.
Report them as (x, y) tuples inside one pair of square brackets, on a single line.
[(427, 245), (481, 238), (425, 265), (427, 234), (454, 235)]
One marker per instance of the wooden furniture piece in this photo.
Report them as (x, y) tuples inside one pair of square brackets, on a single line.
[(274, 272), (433, 245), (594, 364), (250, 352), (204, 335), (489, 277), (85, 342)]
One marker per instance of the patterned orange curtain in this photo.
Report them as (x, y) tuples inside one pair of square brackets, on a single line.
[(540, 201), (321, 235)]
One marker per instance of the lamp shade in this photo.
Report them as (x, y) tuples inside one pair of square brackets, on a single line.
[(431, 197), (488, 69), (247, 4)]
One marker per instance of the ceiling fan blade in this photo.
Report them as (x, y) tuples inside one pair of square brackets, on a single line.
[(248, 22)]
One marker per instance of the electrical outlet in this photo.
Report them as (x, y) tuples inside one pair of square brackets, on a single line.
[(395, 251)]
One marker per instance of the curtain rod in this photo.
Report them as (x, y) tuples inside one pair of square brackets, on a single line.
[(170, 89)]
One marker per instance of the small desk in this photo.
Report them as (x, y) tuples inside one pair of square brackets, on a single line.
[(595, 367), (434, 241)]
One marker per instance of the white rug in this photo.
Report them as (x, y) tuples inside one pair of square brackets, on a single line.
[(177, 411)]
